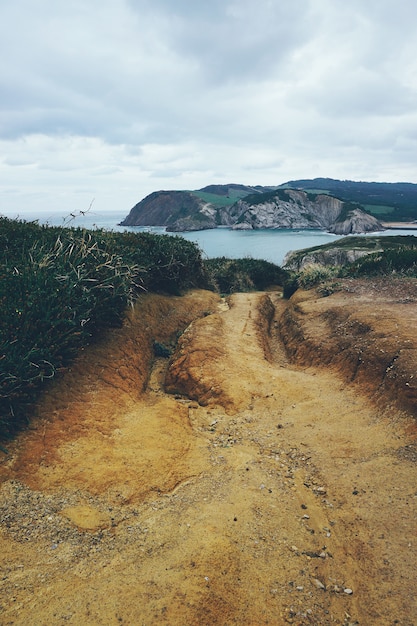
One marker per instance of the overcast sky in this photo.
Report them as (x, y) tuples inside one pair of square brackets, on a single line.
[(109, 100)]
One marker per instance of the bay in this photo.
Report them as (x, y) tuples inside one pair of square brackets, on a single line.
[(270, 245)]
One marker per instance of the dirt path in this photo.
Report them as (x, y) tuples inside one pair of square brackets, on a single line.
[(256, 492)]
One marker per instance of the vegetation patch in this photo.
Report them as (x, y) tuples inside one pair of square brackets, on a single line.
[(269, 196), (60, 287), (370, 243), (400, 199), (232, 275), (216, 200), (400, 261), (387, 256), (378, 209)]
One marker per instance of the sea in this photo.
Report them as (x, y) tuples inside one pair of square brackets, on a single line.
[(270, 245)]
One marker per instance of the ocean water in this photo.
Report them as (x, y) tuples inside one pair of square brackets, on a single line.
[(270, 245)]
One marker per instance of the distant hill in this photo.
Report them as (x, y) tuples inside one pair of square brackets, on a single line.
[(391, 202), (243, 207), (189, 210), (233, 190), (296, 208)]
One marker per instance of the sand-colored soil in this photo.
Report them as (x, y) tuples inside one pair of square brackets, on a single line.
[(265, 474)]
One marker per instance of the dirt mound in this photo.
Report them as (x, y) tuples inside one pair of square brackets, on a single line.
[(213, 360), (258, 492), (364, 331)]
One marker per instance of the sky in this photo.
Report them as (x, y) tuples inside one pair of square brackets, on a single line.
[(105, 101)]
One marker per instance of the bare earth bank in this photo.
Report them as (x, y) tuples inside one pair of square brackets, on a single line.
[(265, 475)]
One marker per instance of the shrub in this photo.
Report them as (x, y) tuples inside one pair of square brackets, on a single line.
[(169, 263), (312, 275), (401, 260), (231, 275), (61, 286)]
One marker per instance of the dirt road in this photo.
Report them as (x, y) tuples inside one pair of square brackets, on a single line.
[(255, 492)]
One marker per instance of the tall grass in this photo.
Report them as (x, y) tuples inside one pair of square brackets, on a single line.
[(401, 261), (59, 287), (231, 275)]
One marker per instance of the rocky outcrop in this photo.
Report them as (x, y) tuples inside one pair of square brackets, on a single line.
[(291, 208), (275, 208), (296, 261), (177, 210), (347, 250), (357, 221)]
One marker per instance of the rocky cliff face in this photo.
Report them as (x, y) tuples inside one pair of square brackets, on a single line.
[(295, 261), (297, 209), (279, 208), (357, 221), (177, 210)]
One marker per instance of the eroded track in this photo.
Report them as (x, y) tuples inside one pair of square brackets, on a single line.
[(274, 495)]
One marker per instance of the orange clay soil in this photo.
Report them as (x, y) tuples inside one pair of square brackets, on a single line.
[(266, 474)]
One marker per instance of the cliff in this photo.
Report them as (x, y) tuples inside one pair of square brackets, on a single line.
[(399, 200), (221, 205), (290, 208), (347, 250), (356, 221), (332, 257), (177, 210)]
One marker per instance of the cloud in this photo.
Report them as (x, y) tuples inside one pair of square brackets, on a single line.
[(119, 97), (235, 41)]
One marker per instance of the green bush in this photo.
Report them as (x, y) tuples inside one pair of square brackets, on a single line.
[(312, 275), (401, 260), (231, 275), (169, 263), (61, 286)]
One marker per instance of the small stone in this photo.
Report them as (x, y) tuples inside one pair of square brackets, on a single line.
[(318, 583), (348, 591), (306, 517)]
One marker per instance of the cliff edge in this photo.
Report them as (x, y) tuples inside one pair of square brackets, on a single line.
[(273, 209)]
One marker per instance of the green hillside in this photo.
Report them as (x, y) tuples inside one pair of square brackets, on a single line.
[(387, 201)]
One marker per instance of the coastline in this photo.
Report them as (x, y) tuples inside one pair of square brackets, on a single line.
[(400, 225)]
